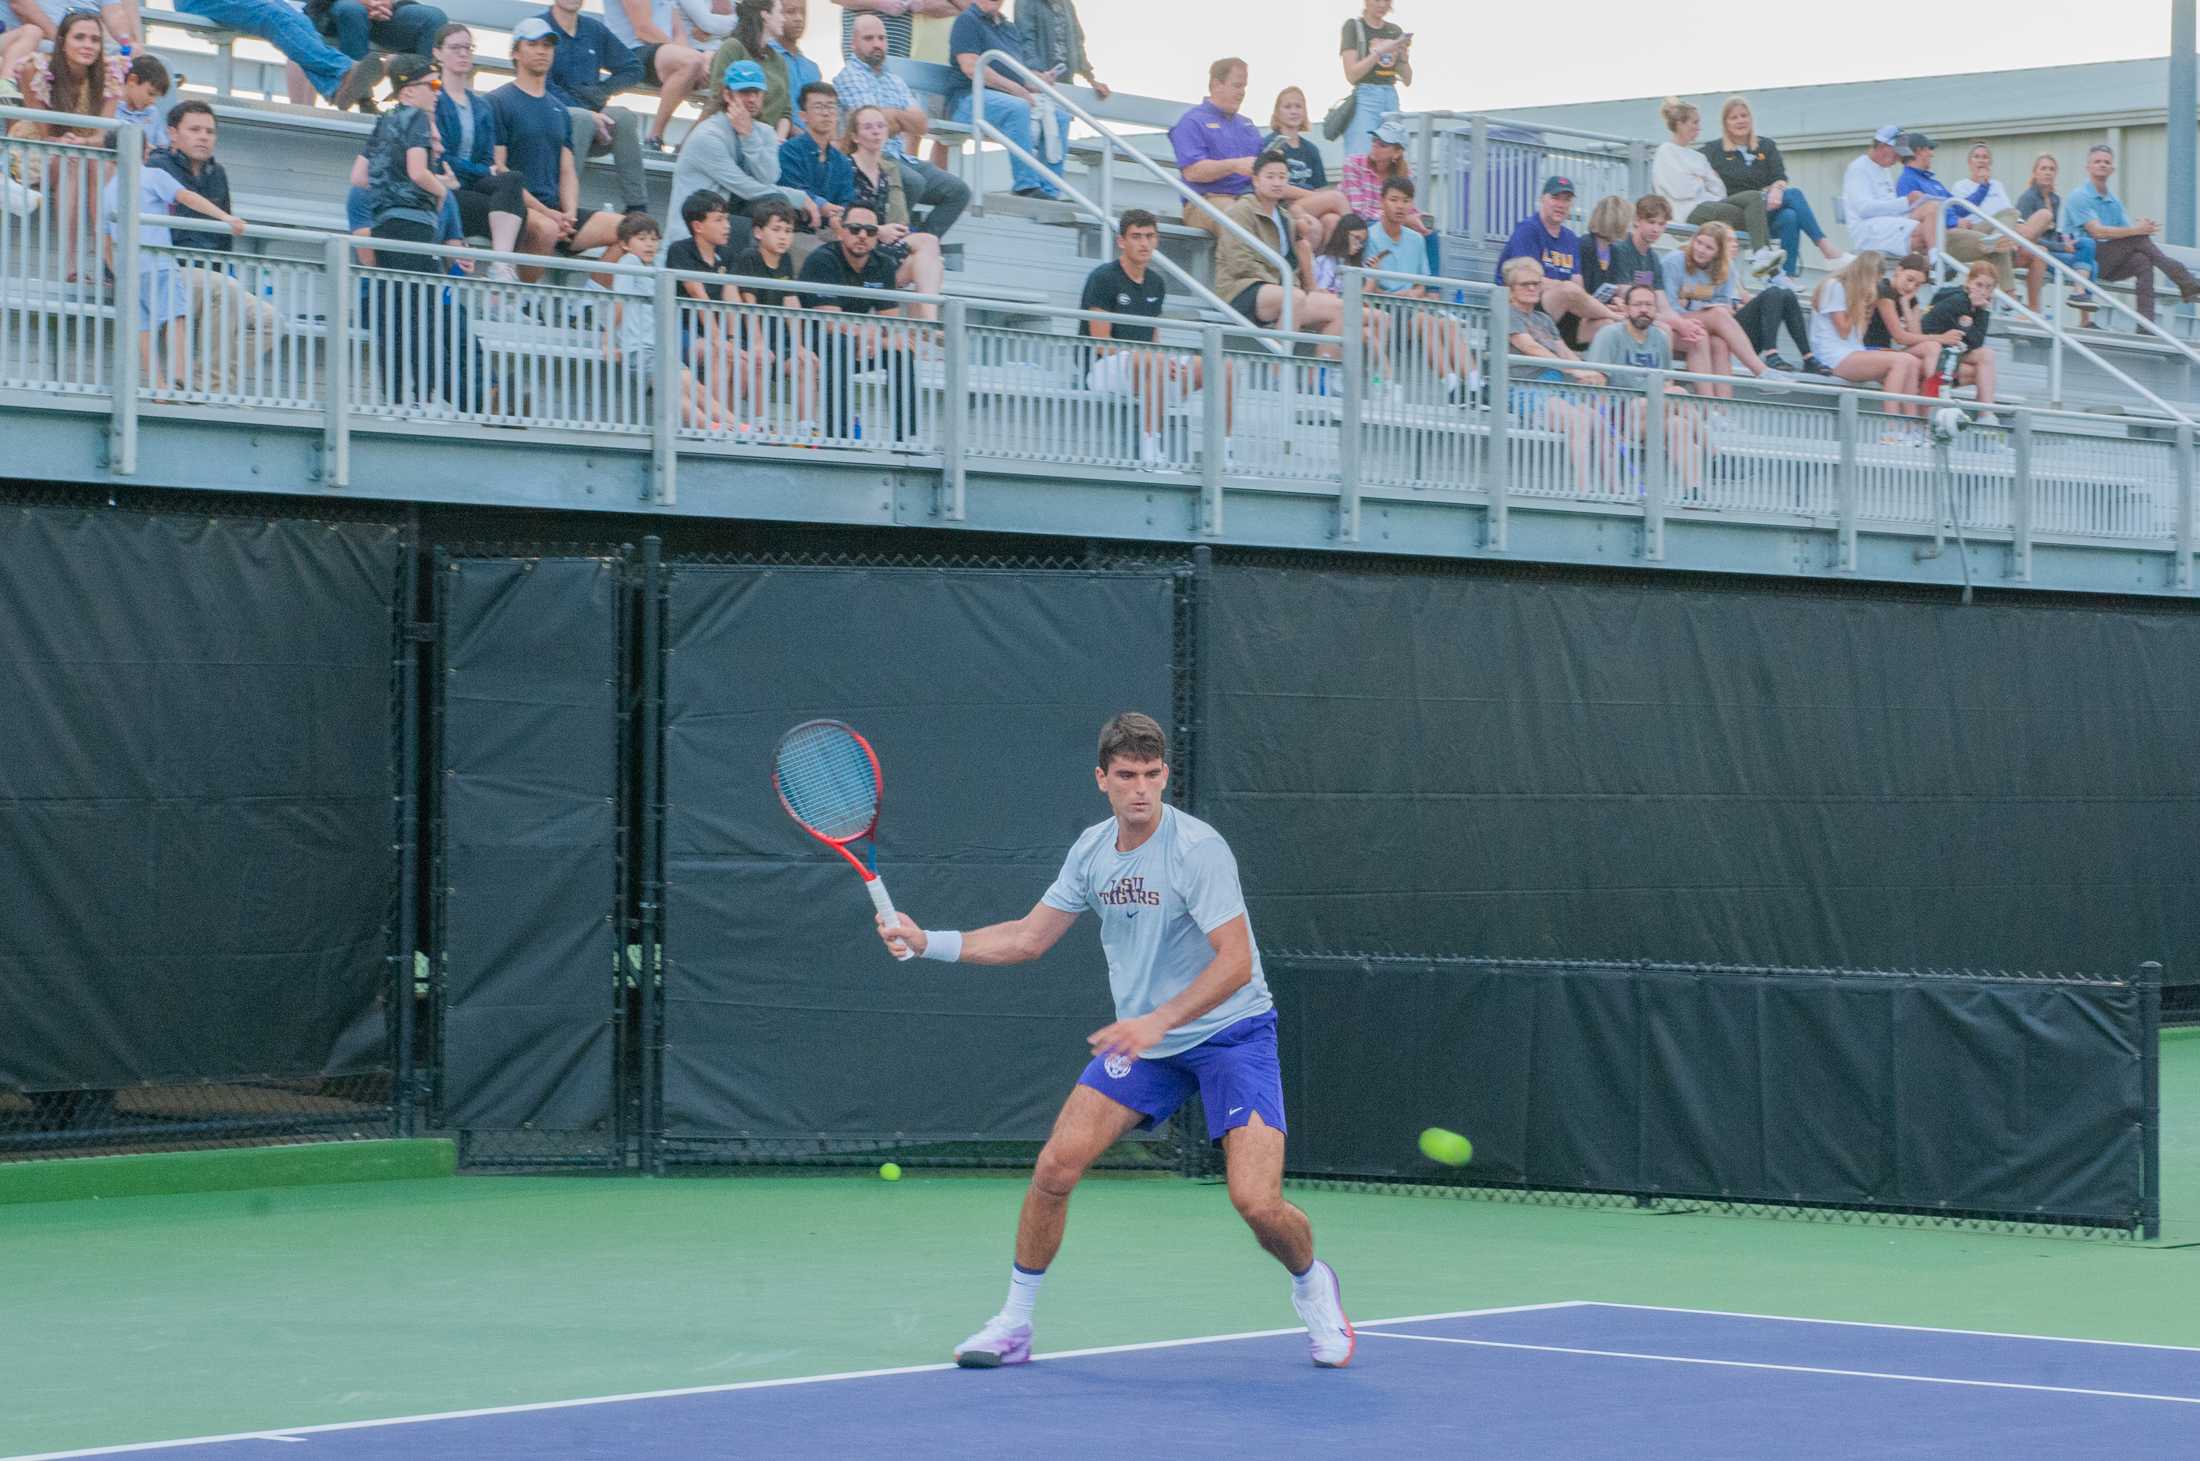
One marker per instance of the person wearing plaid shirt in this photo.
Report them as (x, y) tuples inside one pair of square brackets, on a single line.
[(865, 82)]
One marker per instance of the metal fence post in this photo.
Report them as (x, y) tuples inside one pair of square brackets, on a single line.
[(1214, 427), (411, 635), (2183, 577), (129, 268), (953, 503), (1478, 181), (2150, 1091), (336, 361), (664, 413), (1498, 466), (650, 875), (1654, 402), (1354, 359), (1848, 492), (1638, 168), (2055, 338), (2020, 501)]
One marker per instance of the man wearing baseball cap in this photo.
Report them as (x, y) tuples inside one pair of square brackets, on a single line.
[(538, 145), (1879, 218), (1544, 237), (733, 153)]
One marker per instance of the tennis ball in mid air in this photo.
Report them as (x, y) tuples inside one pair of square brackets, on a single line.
[(891, 1171), (1448, 1147)]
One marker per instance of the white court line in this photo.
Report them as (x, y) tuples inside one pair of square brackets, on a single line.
[(1918, 1328), (1684, 1359), (289, 1433)]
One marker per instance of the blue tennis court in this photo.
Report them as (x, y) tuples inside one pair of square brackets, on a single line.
[(1565, 1379)]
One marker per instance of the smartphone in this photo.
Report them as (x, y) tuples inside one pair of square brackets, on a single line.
[(1605, 293)]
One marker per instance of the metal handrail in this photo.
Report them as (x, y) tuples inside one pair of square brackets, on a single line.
[(1495, 121), (1104, 210)]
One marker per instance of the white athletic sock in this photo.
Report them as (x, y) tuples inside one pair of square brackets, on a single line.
[(1451, 381), (1303, 1284), (1023, 1293)]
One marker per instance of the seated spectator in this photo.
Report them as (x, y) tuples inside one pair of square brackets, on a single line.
[(1959, 315), (1967, 233), (334, 75), (631, 337), (30, 25), (80, 78), (1377, 55), (859, 343), (1765, 312), (1544, 237), (1684, 177), (776, 343), (1346, 248), (400, 27), (1917, 177), (1600, 270), (1700, 281), (492, 204), (1363, 180), (1394, 247), (1216, 146), (1531, 331), (897, 19), (1841, 312), (591, 66), (812, 160), (710, 339), (1747, 163), (732, 151), (161, 301), (2122, 248), (876, 181), (1054, 42), (1249, 280), (865, 81), (1881, 220), (758, 26), (1310, 192), (2075, 250), (1894, 319), (1636, 260), (646, 28), (1159, 379), (535, 140), (1639, 340), (406, 181), (224, 315), (1010, 106), (144, 90), (801, 70)]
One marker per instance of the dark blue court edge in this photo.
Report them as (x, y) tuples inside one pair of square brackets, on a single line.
[(1401, 1397)]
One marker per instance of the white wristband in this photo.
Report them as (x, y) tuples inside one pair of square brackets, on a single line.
[(945, 945)]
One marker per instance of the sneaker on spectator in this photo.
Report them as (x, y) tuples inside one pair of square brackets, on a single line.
[(503, 274), (358, 82), (1775, 381), (11, 95), (17, 199), (1775, 361), (1839, 262), (1764, 263)]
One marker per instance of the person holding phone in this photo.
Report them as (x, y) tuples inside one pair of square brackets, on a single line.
[(1377, 54)]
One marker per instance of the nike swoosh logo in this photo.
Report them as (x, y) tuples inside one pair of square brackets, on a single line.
[(1132, 914), (1235, 1109)]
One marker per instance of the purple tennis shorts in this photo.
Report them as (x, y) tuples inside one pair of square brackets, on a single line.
[(1234, 1070)]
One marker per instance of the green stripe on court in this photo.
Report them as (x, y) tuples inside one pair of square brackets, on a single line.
[(235, 1169)]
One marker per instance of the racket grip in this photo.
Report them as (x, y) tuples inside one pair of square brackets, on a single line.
[(876, 887)]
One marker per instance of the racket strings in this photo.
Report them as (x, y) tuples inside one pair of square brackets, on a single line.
[(828, 781)]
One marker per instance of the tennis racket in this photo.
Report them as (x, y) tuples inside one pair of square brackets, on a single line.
[(827, 779)]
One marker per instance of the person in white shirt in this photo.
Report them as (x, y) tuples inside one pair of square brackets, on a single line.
[(1879, 220), (1970, 239), (1841, 311), (1683, 176)]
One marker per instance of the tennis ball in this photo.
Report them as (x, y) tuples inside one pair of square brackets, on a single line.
[(1447, 1147), (891, 1171)]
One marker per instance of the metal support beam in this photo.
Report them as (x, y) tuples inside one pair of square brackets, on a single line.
[(952, 502), (1355, 361), (2184, 125)]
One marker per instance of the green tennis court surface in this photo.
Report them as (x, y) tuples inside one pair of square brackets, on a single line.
[(152, 1318)]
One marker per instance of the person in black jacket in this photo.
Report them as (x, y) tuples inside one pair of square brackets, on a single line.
[(230, 327), (1746, 162)]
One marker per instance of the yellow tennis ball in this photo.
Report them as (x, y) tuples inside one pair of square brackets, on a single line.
[(1447, 1147), (891, 1171)]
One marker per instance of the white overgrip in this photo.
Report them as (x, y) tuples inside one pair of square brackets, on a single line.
[(876, 887)]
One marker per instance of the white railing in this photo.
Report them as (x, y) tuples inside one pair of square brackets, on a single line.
[(1481, 174), (1416, 396)]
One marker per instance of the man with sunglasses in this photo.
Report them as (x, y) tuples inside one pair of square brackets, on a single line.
[(853, 263)]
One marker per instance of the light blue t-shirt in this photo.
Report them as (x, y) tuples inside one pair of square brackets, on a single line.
[(1404, 254), (2086, 205), (1157, 905)]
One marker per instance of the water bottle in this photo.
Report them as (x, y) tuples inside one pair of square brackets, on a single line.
[(1943, 378), (855, 428)]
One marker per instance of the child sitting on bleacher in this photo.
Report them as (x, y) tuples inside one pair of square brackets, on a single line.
[(144, 88)]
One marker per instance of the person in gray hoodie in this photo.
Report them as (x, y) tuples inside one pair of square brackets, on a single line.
[(730, 152)]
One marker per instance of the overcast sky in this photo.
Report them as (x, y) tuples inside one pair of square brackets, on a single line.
[(1475, 55)]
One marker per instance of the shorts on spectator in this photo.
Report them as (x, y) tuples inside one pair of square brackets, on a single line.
[(581, 220), (647, 54), (161, 293), (1116, 375), (1248, 302)]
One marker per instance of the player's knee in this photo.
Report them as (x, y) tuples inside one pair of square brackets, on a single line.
[(1261, 1210), (1055, 1173)]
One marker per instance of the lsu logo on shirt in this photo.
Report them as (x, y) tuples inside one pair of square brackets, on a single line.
[(1130, 893), (1558, 262)]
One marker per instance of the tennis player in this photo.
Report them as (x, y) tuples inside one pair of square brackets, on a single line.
[(1192, 1013)]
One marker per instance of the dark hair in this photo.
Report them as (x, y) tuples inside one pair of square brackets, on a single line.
[(771, 210), (1133, 736), (700, 205), (1398, 185), (91, 93), (1335, 247), (455, 27), (1914, 261), (1222, 69), (1651, 205), (191, 108), (148, 69), (634, 225), (812, 89), (872, 209), (748, 25), (1136, 218), (1271, 158), (1629, 292)]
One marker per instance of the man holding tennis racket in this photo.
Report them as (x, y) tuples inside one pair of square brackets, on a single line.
[(1192, 1013)]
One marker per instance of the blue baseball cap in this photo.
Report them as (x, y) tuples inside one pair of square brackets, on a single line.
[(744, 76)]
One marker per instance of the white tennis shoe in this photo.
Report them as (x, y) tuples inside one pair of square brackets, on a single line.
[(1001, 1342), (1329, 1335)]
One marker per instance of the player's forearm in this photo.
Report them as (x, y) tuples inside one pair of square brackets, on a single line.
[(998, 943), (1228, 974)]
